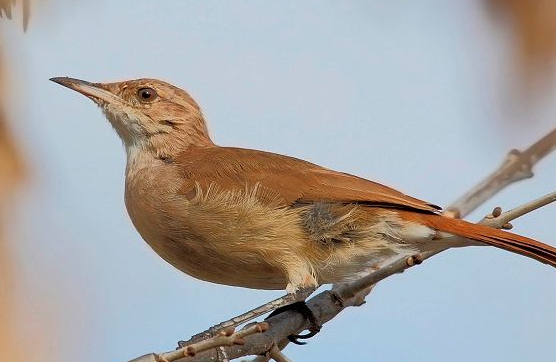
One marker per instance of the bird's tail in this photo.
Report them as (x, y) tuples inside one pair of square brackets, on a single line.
[(498, 238)]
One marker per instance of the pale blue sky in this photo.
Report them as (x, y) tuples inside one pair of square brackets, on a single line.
[(412, 94)]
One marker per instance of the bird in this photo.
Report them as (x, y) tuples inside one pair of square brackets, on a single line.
[(262, 220)]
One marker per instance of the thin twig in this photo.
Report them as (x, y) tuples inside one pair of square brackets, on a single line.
[(504, 218), (517, 166), (252, 314), (276, 354), (259, 359), (227, 337)]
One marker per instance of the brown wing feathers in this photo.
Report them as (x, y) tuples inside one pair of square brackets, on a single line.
[(300, 182), (297, 181)]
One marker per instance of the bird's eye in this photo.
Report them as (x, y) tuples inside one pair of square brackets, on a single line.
[(146, 94)]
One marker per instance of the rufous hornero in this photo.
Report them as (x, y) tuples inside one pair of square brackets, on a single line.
[(262, 220)]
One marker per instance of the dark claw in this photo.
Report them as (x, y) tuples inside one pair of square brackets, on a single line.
[(294, 338), (300, 307)]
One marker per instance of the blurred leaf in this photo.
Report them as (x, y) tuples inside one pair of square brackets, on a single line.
[(10, 164), (10, 175), (533, 24)]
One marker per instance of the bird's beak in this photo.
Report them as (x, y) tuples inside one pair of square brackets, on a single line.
[(95, 91)]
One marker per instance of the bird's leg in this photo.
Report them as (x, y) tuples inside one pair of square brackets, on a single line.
[(302, 308), (289, 298)]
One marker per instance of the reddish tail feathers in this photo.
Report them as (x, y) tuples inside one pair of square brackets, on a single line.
[(501, 239)]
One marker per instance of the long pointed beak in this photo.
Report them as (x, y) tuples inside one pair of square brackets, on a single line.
[(95, 91)]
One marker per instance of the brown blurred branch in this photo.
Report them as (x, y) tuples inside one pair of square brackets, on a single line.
[(533, 26), (11, 173), (328, 304), (7, 5)]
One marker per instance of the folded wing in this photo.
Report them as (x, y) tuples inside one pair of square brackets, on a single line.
[(293, 180)]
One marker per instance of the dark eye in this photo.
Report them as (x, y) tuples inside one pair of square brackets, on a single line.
[(146, 94)]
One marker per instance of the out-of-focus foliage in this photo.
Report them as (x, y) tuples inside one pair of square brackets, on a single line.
[(533, 24), (10, 165), (6, 9), (10, 175)]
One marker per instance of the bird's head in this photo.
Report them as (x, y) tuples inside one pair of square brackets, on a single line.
[(149, 115)]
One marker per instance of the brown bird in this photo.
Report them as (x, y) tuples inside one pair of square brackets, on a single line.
[(257, 219)]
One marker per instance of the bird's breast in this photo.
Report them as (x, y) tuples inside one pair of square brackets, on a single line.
[(226, 237)]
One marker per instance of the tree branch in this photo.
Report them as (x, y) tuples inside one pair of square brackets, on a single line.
[(276, 354), (326, 305), (517, 166), (227, 337)]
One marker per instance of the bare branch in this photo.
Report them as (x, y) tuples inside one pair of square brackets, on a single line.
[(260, 359), (328, 304), (252, 314), (516, 167), (501, 220), (277, 355), (227, 337)]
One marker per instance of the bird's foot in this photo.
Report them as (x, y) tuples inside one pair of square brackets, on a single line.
[(302, 308), (300, 295)]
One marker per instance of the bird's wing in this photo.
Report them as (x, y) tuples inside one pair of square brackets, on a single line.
[(293, 180)]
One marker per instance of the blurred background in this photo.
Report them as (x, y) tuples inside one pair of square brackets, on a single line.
[(424, 96)]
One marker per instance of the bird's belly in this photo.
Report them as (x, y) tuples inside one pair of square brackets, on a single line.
[(223, 239), (205, 258), (194, 257)]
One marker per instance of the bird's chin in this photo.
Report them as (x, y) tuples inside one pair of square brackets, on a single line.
[(126, 122)]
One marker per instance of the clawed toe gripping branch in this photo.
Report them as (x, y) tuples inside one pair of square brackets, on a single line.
[(267, 339), (300, 307)]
